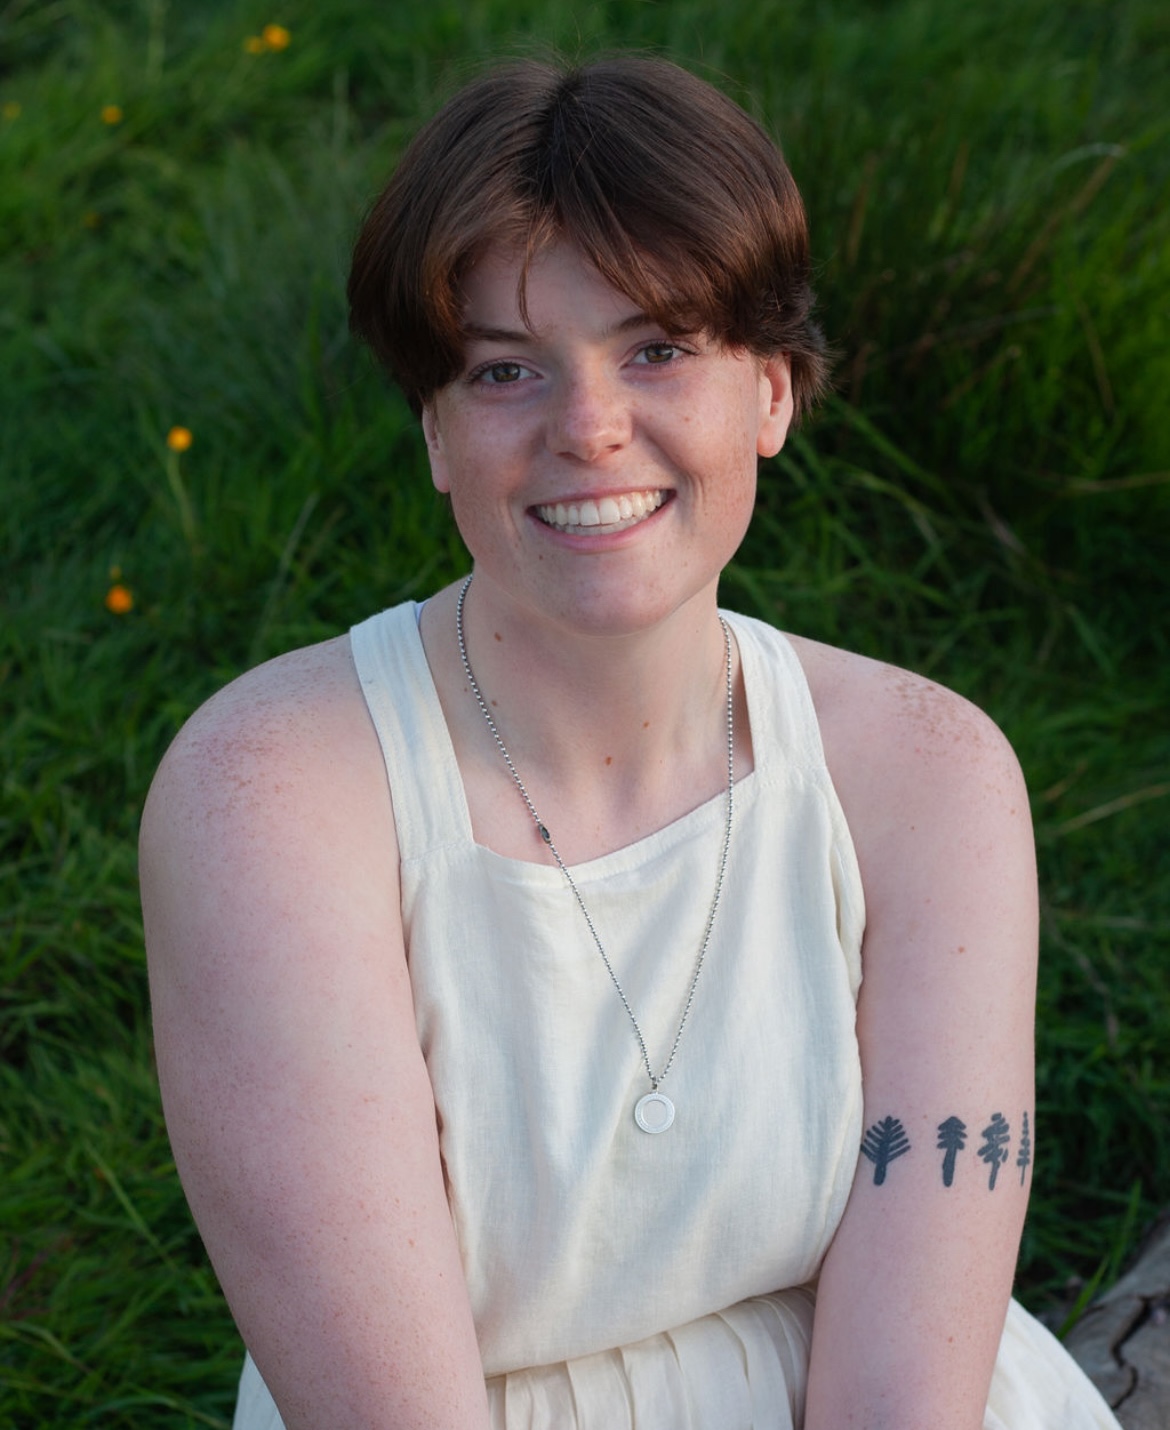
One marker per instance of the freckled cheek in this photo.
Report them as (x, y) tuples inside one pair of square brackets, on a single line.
[(740, 497), (735, 451), (728, 503), (483, 467), (481, 503)]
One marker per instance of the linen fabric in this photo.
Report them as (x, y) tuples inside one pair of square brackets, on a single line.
[(619, 1279)]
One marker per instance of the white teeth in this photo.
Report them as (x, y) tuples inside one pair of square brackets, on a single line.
[(608, 513)]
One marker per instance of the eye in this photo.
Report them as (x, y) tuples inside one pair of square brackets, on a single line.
[(499, 374), (659, 354)]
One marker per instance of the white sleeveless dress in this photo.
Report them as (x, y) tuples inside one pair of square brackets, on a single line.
[(622, 1281)]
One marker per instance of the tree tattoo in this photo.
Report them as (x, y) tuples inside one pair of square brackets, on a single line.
[(994, 1150), (952, 1138), (883, 1142), (1024, 1156)]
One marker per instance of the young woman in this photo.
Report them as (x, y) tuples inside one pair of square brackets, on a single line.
[(577, 1006)]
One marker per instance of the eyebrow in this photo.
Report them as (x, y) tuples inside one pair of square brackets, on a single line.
[(487, 334)]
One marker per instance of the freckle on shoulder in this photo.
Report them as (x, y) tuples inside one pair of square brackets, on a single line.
[(272, 713), (859, 699), (943, 723)]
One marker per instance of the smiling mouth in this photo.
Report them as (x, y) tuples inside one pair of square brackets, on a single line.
[(604, 515)]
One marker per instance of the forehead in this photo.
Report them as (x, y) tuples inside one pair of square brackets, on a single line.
[(505, 295)]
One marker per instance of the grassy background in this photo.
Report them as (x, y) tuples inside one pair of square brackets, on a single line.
[(984, 499)]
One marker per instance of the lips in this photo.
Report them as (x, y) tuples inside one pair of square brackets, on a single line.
[(603, 515)]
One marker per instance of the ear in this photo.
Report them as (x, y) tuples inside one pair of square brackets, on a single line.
[(434, 441), (775, 404)]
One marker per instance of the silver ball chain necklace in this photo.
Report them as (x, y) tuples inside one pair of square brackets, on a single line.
[(654, 1112)]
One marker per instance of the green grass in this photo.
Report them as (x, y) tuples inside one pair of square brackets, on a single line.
[(984, 499)]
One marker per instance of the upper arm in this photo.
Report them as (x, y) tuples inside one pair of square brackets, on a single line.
[(915, 1286), (295, 1091), (944, 842)]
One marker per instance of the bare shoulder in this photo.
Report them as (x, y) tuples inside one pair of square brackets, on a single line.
[(280, 770), (930, 786), (272, 732), (274, 711), (883, 726)]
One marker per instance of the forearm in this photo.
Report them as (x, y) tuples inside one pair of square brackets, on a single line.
[(877, 1366), (342, 1272), (351, 1332), (914, 1291)]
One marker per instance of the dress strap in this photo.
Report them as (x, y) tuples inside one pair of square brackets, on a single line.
[(787, 744), (430, 806), (781, 712)]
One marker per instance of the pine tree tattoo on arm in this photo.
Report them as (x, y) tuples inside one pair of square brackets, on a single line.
[(884, 1141), (887, 1140), (1024, 1156), (952, 1138), (994, 1150)]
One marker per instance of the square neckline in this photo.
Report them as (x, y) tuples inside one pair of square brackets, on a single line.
[(627, 856)]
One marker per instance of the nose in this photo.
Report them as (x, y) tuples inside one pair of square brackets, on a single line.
[(591, 416)]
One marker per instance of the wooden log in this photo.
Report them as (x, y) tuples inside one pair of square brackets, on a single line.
[(1123, 1339)]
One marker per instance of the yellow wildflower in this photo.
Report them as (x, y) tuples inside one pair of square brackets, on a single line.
[(91, 218), (112, 114), (11, 110), (179, 439), (276, 37), (119, 600), (255, 45)]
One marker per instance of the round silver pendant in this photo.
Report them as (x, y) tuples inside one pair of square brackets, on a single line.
[(654, 1112)]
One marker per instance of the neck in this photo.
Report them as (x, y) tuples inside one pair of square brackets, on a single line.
[(573, 697), (613, 734)]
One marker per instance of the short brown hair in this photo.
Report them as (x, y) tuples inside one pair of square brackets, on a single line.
[(679, 199)]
